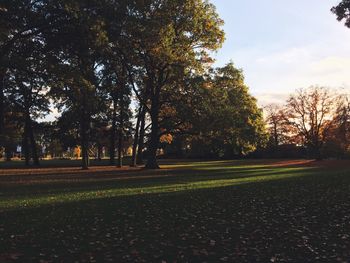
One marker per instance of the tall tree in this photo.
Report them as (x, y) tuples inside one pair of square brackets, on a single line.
[(214, 116), (230, 118), (26, 87), (136, 138), (19, 21), (75, 49), (172, 37), (338, 135)]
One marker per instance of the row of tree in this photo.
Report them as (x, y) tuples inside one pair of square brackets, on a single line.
[(316, 118), (129, 73), (137, 72)]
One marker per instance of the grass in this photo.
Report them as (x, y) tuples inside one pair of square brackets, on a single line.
[(244, 211)]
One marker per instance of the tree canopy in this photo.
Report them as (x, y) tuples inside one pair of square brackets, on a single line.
[(342, 11), (122, 74)]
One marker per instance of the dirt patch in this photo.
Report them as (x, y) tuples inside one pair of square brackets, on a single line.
[(66, 170), (330, 164), (292, 163)]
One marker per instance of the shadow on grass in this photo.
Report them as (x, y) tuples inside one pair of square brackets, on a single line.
[(120, 178), (20, 165), (52, 191), (195, 213), (42, 200), (147, 189)]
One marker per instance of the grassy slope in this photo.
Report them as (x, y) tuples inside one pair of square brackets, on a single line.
[(204, 211)]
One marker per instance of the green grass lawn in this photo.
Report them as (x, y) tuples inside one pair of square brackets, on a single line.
[(228, 211)]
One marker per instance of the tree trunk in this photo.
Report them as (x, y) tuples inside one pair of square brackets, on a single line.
[(112, 134), (2, 110), (154, 138), (120, 150), (30, 136), (33, 143), (179, 146), (136, 139), (112, 141), (153, 147), (2, 106), (25, 146), (141, 143), (315, 150), (84, 141), (99, 151), (8, 153), (318, 154), (275, 136), (121, 128)]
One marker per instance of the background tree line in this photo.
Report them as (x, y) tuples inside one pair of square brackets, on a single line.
[(121, 73), (314, 123), (139, 74)]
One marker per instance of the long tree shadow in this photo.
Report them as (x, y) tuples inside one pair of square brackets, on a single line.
[(27, 190), (53, 184), (52, 194), (202, 224), (108, 171)]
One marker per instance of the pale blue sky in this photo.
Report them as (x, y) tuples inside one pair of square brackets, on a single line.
[(284, 45)]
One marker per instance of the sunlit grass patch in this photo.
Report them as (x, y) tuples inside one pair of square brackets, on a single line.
[(207, 211), (196, 176)]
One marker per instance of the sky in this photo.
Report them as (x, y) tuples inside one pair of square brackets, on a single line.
[(285, 45)]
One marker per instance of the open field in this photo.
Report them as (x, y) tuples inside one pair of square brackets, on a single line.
[(242, 211)]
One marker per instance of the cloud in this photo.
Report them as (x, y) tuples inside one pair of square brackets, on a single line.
[(288, 69), (265, 99), (332, 65), (285, 57)]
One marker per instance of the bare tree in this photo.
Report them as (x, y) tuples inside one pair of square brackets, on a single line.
[(338, 136), (279, 129), (310, 112)]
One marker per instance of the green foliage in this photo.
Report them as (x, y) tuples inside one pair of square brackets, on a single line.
[(224, 118), (94, 59)]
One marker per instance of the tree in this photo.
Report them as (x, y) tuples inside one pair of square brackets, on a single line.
[(26, 88), (91, 57), (75, 53), (20, 22), (13, 130), (215, 116), (338, 135), (232, 118), (135, 145), (342, 11), (116, 99), (171, 37), (309, 111), (280, 131)]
